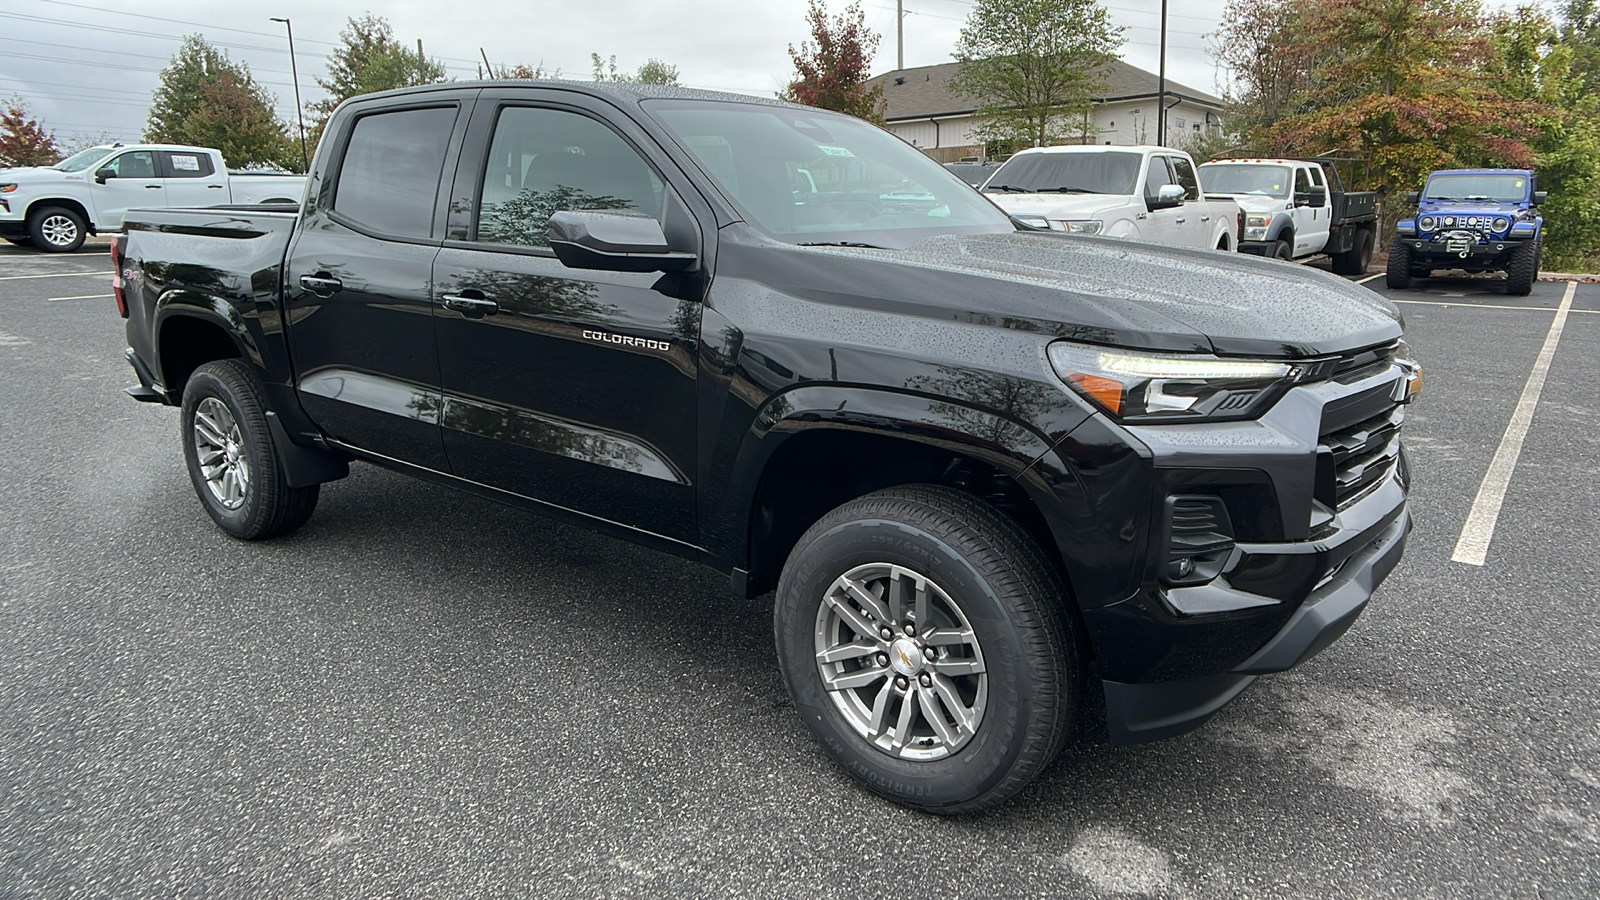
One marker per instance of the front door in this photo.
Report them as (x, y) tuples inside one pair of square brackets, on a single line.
[(357, 283), (136, 184), (1160, 225), (573, 387)]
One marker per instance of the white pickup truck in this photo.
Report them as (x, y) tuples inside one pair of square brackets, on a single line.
[(1149, 193), (55, 207), (1298, 208)]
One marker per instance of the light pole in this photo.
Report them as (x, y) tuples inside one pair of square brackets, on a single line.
[(1161, 89), (294, 71)]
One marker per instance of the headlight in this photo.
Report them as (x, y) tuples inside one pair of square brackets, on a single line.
[(1145, 387), (7, 188), (1501, 223), (1254, 220), (1082, 226), (1426, 223), (1039, 222)]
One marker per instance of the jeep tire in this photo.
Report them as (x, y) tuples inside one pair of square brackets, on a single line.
[(1522, 270), (922, 603), (1398, 275)]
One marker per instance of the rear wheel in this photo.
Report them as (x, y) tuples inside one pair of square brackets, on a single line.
[(56, 229), (1398, 275), (922, 637), (231, 459), (1355, 260), (1523, 269)]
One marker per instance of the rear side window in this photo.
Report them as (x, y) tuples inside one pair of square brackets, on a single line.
[(1185, 175), (542, 161), (187, 165), (389, 180)]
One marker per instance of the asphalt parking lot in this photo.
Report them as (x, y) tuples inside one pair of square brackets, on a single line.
[(425, 694)]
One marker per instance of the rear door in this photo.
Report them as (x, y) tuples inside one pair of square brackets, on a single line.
[(192, 178), (358, 281), (136, 183), (577, 388)]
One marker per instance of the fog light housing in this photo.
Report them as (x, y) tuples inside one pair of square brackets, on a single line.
[(1197, 539)]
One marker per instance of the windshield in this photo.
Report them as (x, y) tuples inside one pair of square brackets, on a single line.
[(1068, 173), (811, 177), (1225, 178), (1511, 187), (83, 159)]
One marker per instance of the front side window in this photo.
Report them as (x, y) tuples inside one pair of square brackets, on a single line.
[(542, 161), (1185, 175), (811, 177), (1158, 177), (389, 180), (134, 164), (188, 165), (1302, 181)]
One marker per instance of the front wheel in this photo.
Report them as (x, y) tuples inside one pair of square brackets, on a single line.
[(923, 638), (1280, 250), (56, 229), (1523, 269), (1398, 275), (231, 459)]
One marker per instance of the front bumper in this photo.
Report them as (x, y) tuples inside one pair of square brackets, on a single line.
[(1439, 253), (1315, 499), (1259, 248)]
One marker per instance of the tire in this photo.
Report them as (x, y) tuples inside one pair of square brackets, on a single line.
[(1355, 260), (241, 485), (1398, 275), (1523, 269), (19, 241), (1280, 250), (56, 229), (1015, 678)]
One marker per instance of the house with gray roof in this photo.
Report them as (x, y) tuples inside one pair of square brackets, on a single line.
[(922, 110)]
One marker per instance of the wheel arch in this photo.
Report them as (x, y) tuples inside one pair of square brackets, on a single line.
[(65, 203), (191, 332), (832, 445)]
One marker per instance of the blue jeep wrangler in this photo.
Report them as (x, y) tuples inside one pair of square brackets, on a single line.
[(1480, 220)]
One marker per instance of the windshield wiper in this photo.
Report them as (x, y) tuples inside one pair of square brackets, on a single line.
[(1008, 187), (840, 244), (1066, 190)]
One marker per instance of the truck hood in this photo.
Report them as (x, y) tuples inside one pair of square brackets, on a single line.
[(1469, 207), (1059, 206), (1105, 291), (38, 175), (1256, 203)]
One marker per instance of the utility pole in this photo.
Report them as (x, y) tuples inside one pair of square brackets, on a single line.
[(305, 158), (1161, 84), (900, 34)]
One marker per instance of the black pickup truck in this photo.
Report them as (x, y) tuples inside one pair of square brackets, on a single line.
[(1008, 486)]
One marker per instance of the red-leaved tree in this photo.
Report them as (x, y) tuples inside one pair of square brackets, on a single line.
[(831, 68), (23, 141)]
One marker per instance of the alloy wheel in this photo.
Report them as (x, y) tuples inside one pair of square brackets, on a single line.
[(59, 230), (219, 449)]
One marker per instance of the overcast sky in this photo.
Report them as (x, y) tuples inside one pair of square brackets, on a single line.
[(87, 68)]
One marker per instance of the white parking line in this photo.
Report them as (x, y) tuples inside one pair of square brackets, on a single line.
[(1459, 305), (84, 297), (58, 275), (1369, 278), (1473, 545)]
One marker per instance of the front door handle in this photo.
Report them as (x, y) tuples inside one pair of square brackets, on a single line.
[(322, 284), (1205, 218), (214, 187), (1182, 219), (471, 303), (152, 187)]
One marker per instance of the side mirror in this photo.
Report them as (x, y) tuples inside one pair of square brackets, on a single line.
[(1539, 197), (1319, 196), (1413, 197), (613, 241), (101, 175), (1167, 197)]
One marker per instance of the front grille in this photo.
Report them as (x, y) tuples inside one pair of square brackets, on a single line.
[(1358, 457)]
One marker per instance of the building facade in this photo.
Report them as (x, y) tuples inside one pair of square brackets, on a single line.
[(922, 110)]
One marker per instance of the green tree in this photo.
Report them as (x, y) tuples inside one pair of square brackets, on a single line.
[(23, 140), (1549, 68), (369, 59), (1580, 30), (1034, 67), (207, 100), (651, 71), (831, 69)]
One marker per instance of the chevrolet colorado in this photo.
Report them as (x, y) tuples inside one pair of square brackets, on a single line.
[(1008, 486)]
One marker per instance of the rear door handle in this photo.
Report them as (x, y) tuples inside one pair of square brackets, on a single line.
[(152, 187), (471, 303), (1182, 219), (322, 284), (214, 187)]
